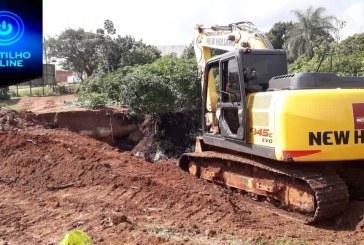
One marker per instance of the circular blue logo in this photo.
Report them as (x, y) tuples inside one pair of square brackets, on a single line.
[(11, 28)]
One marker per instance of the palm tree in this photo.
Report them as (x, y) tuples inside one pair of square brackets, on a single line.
[(311, 27)]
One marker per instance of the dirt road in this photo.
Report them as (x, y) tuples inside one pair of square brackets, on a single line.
[(53, 181), (48, 103)]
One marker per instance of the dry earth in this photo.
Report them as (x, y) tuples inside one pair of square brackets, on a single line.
[(53, 181)]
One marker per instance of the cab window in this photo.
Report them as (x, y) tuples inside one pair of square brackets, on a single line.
[(230, 81)]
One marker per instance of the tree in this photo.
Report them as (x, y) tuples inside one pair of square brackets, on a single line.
[(278, 33), (312, 28), (139, 53), (118, 52), (189, 52), (109, 55), (353, 44), (79, 48), (87, 52), (109, 27), (345, 58), (339, 24)]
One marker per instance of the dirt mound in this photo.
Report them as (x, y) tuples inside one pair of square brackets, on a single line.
[(40, 158), (12, 120), (58, 167), (54, 180)]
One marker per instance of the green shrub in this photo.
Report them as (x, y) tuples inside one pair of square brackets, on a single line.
[(94, 100), (146, 94), (12, 92), (62, 89), (168, 84)]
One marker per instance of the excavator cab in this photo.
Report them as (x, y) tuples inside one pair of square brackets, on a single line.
[(228, 79)]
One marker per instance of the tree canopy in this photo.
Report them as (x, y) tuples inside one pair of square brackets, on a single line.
[(87, 52), (80, 50), (312, 28), (278, 34), (189, 52), (353, 44), (344, 58)]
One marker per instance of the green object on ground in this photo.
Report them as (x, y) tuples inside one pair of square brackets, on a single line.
[(76, 237)]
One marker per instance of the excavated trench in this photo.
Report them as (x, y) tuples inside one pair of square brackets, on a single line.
[(153, 138), (105, 125)]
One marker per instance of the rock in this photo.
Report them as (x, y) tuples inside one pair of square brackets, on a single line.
[(53, 202), (98, 239), (119, 218), (159, 155), (210, 233)]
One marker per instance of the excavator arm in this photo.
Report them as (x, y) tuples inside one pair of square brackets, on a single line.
[(227, 38)]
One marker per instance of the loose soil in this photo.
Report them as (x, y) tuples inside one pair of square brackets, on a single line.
[(54, 180)]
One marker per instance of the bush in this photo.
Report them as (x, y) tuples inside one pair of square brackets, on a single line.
[(62, 89), (94, 100), (146, 94), (168, 84), (181, 76), (12, 93)]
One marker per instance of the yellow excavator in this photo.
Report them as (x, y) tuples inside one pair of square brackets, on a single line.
[(294, 140)]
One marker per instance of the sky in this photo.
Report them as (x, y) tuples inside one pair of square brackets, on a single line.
[(169, 22)]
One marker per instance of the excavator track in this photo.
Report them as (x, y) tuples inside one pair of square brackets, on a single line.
[(319, 192)]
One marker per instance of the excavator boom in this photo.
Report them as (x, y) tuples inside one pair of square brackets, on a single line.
[(227, 38)]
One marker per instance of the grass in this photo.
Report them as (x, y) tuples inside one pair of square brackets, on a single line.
[(24, 91), (15, 107), (231, 239), (276, 241), (169, 234), (163, 232)]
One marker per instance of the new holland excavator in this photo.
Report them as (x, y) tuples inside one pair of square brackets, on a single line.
[(294, 140)]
